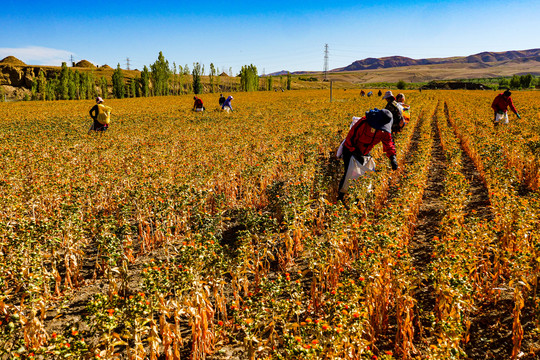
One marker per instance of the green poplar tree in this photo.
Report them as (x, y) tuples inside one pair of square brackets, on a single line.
[(90, 85), (212, 76), (145, 82), (526, 81), (249, 80), (33, 90), (174, 80), (218, 78), (160, 75), (289, 79), (137, 82), (77, 81), (41, 84), (180, 79), (83, 87), (50, 89), (119, 86), (133, 87), (515, 82), (72, 85), (104, 87), (63, 84), (196, 74)]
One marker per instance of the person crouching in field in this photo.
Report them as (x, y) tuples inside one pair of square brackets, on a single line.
[(101, 114), (403, 108), (221, 100), (198, 104), (227, 104), (367, 132), (500, 108), (397, 115)]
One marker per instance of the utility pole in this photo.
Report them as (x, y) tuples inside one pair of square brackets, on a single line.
[(326, 62), (127, 63), (72, 62)]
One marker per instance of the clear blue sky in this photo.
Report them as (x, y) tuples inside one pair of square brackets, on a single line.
[(278, 35)]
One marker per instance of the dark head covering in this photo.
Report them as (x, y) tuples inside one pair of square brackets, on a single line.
[(380, 119), (507, 93)]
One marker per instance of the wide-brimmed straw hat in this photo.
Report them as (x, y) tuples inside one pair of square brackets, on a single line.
[(388, 94), (99, 100)]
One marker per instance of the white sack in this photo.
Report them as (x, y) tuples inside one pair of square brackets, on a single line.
[(339, 152), (356, 169), (502, 118)]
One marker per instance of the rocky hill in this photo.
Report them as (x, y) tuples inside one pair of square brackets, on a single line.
[(16, 77)]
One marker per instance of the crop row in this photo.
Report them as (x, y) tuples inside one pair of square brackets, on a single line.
[(504, 258)]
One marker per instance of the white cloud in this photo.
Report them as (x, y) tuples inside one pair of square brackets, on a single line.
[(37, 55)]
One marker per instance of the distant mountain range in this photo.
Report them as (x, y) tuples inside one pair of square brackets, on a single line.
[(483, 57), (486, 58)]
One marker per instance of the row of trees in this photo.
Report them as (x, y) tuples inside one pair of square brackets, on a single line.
[(519, 82), (158, 80), (67, 85)]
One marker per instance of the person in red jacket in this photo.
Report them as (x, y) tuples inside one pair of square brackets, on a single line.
[(197, 104), (500, 107), (370, 130)]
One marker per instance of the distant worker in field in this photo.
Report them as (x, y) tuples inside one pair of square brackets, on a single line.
[(221, 100), (393, 107), (369, 94), (362, 93), (366, 132), (379, 93), (197, 104), (101, 114), (227, 104), (404, 108), (500, 108)]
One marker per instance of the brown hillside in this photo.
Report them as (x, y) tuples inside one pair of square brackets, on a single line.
[(426, 73), (12, 60), (105, 67), (487, 58), (85, 64)]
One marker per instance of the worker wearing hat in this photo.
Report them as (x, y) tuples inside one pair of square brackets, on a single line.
[(367, 132), (393, 107), (101, 114)]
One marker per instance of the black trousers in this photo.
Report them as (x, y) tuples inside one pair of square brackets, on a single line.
[(99, 126)]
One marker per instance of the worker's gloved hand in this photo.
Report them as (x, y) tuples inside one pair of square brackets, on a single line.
[(393, 162), (518, 116)]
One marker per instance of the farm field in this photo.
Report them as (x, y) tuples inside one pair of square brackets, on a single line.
[(181, 235)]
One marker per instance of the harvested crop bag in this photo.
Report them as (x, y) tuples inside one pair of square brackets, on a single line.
[(339, 152), (502, 117), (104, 114), (357, 169)]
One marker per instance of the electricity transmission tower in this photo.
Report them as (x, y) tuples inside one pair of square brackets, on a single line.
[(127, 63), (325, 62)]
